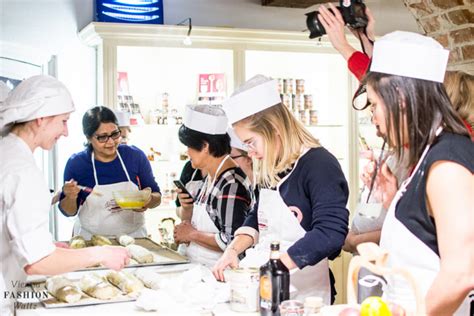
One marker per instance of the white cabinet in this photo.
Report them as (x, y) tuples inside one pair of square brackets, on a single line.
[(157, 62)]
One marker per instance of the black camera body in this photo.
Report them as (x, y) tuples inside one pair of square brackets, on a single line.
[(352, 11)]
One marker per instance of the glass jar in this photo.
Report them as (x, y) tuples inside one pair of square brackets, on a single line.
[(291, 308)]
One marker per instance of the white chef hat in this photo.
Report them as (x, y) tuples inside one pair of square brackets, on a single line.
[(410, 55), (123, 118), (35, 97), (4, 91), (235, 140), (255, 95), (206, 119)]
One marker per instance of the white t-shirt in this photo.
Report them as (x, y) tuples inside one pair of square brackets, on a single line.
[(24, 205)]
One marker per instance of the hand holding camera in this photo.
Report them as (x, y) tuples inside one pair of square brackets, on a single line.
[(331, 21), (334, 25), (352, 13)]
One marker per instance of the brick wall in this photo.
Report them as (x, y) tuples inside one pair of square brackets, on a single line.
[(450, 22)]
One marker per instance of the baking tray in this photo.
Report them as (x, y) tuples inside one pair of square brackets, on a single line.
[(51, 302), (162, 255)]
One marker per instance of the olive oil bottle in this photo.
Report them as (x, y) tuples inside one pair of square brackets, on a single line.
[(274, 283)]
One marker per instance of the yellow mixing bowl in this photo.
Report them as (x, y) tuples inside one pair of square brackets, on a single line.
[(131, 200)]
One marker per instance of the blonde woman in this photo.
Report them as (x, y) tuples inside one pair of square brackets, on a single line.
[(303, 196), (460, 88), (35, 116)]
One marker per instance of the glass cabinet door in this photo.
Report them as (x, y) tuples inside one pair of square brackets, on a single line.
[(160, 82)]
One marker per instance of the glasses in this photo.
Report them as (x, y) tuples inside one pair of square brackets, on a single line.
[(238, 156), (250, 145), (359, 100), (104, 138)]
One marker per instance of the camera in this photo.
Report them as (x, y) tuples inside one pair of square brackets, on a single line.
[(352, 11)]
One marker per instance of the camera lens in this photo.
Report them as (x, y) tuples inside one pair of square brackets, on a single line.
[(314, 26)]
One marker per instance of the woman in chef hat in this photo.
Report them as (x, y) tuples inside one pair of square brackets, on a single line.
[(303, 198), (239, 154), (211, 218), (123, 119), (432, 212), (192, 178), (35, 115)]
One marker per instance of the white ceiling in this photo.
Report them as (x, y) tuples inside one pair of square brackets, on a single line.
[(52, 25)]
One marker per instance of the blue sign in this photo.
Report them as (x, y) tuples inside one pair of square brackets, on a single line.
[(130, 11)]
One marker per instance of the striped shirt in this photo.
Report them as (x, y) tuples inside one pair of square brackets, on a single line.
[(228, 203)]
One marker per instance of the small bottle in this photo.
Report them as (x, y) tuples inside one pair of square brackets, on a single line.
[(274, 283)]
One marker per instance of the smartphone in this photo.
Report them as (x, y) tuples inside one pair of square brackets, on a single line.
[(181, 186)]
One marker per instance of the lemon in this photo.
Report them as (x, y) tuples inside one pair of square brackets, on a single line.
[(374, 306)]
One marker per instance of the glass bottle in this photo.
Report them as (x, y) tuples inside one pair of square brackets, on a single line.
[(274, 283)]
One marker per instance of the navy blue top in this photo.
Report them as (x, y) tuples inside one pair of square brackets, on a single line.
[(79, 167), (317, 192)]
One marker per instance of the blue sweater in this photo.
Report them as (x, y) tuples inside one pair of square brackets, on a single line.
[(79, 167), (318, 189)]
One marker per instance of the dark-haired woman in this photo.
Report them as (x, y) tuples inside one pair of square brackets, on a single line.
[(106, 166), (220, 206), (428, 228)]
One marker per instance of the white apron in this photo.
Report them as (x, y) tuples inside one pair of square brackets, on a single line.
[(201, 221), (368, 217), (96, 218), (277, 223), (193, 186), (407, 251)]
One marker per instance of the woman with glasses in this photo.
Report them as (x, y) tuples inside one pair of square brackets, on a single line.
[(219, 208), (106, 166), (302, 197), (239, 154)]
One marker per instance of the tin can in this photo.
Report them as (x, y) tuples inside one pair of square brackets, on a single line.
[(298, 102), (291, 308), (287, 99), (280, 85), (313, 117), (299, 86), (244, 289), (288, 85), (308, 101), (304, 117)]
